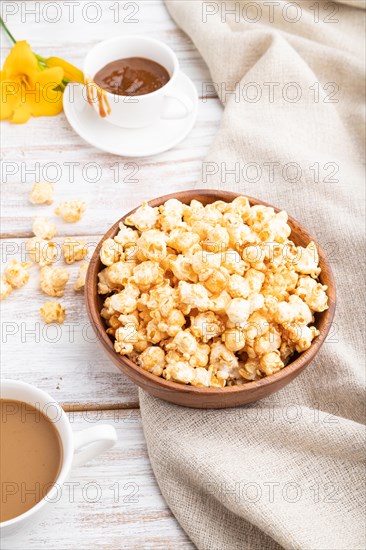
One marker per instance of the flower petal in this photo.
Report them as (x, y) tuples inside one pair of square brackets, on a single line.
[(21, 114), (49, 76), (20, 60), (71, 72), (48, 103), (10, 97)]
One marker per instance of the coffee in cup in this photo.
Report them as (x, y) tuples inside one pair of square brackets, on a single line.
[(30, 457)]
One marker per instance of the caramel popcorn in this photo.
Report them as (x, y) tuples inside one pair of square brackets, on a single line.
[(80, 281), (211, 296), (41, 251), (5, 288), (42, 193), (71, 211), (43, 228), (16, 273), (53, 280), (53, 312), (74, 250)]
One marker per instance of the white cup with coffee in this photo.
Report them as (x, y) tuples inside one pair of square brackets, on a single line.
[(38, 451), (131, 82)]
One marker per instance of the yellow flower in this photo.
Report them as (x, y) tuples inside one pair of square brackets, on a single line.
[(28, 89), (71, 72)]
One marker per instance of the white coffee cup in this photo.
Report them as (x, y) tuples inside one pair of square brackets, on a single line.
[(143, 110), (77, 447)]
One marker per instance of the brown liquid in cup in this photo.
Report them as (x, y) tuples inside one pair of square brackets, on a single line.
[(132, 76), (30, 457)]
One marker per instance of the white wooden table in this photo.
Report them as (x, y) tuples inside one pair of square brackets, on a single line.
[(116, 501)]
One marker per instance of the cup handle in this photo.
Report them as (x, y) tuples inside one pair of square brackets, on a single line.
[(172, 113), (91, 442)]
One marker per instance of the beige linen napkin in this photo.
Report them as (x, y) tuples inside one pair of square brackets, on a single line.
[(287, 471)]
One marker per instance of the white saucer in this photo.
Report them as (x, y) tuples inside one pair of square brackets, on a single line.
[(128, 142)]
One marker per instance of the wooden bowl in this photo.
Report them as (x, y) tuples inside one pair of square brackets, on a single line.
[(191, 396)]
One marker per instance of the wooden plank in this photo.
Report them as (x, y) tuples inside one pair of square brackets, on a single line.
[(130, 511)]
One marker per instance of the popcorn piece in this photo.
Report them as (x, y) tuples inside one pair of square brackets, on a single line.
[(185, 343), (71, 211), (152, 245), (204, 260), (312, 293), (271, 362), (153, 332), (74, 250), (307, 260), (238, 286), (256, 326), (233, 263), (276, 229), (42, 193), (53, 312), (234, 339), (80, 281), (125, 301), (125, 338), (215, 280), (255, 279), (173, 323), (144, 218), (221, 356), (111, 252), (238, 310), (182, 268), (126, 236), (224, 362), (202, 378), (206, 326), (5, 288), (16, 273), (183, 241), (301, 336), (180, 372), (152, 360), (249, 370), (53, 280), (146, 274), (41, 251), (220, 302), (201, 356), (270, 341), (195, 295), (43, 228), (114, 277), (171, 214)]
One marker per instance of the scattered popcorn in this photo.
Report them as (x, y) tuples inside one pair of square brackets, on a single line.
[(74, 250), (5, 288), (16, 273), (42, 193), (71, 211), (80, 281), (53, 312), (54, 280), (43, 228), (211, 296), (41, 251)]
